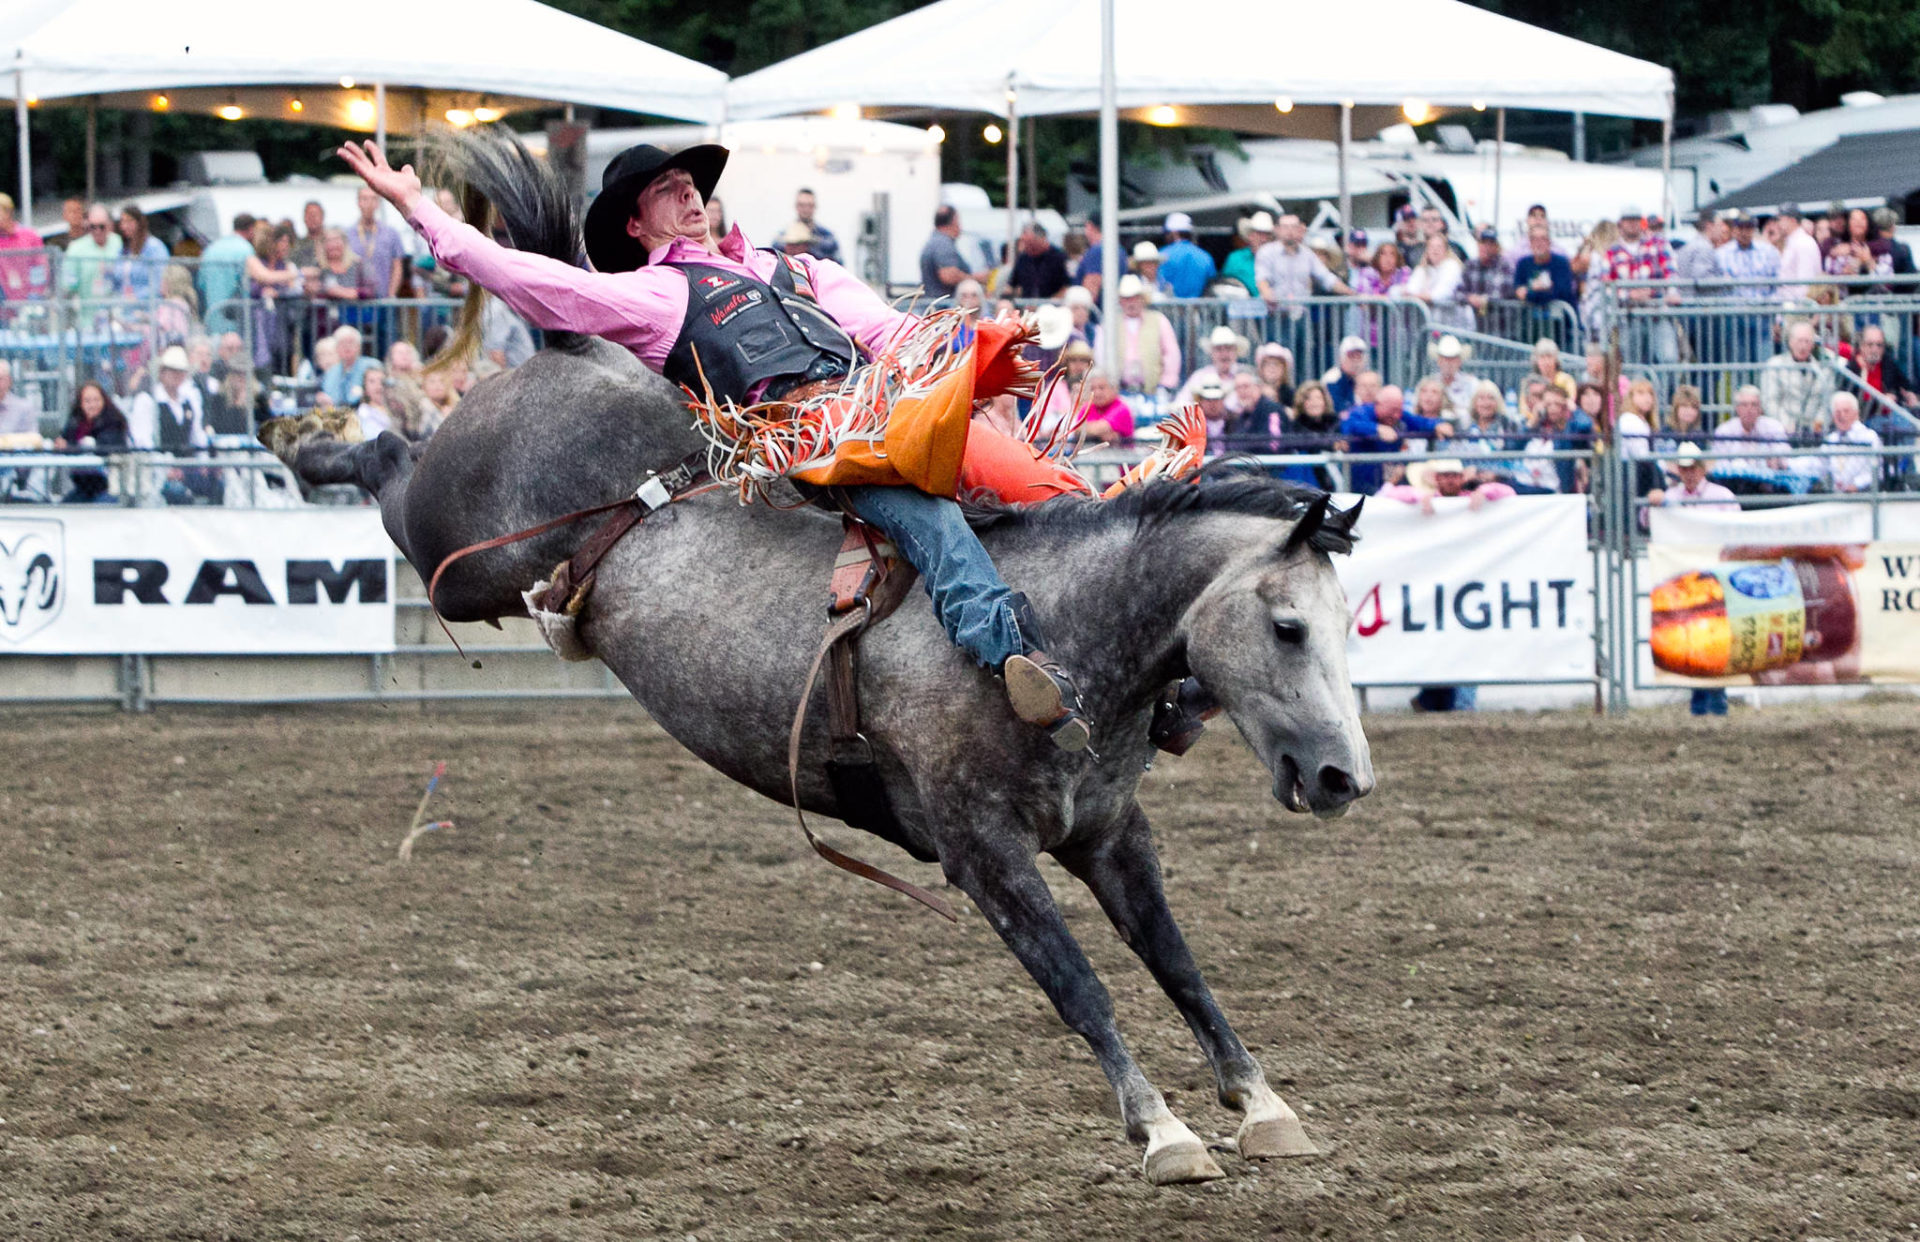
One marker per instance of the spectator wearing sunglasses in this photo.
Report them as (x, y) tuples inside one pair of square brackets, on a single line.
[(84, 274)]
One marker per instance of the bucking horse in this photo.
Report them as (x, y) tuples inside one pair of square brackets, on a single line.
[(710, 610)]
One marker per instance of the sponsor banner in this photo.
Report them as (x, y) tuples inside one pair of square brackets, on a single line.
[(1800, 596), (1462, 595), (98, 581)]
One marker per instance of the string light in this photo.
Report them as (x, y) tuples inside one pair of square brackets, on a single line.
[(1417, 111), (1164, 114), (845, 112), (486, 115), (229, 112), (161, 103), (992, 133), (459, 118), (937, 133), (360, 111), (1283, 104), (296, 105)]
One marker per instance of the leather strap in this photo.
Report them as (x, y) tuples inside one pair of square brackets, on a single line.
[(844, 626), (688, 478)]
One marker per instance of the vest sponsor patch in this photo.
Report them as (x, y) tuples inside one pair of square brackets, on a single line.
[(733, 307), (715, 283)]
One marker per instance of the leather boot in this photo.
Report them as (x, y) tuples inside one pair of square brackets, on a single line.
[(1181, 716), (1040, 692)]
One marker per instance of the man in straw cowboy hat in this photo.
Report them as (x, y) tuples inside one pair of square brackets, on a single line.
[(1449, 356), (761, 331), (1226, 348)]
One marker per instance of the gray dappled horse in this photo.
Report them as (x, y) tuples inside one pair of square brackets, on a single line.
[(709, 612)]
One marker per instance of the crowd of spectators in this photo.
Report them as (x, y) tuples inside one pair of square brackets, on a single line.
[(1529, 436), (270, 318)]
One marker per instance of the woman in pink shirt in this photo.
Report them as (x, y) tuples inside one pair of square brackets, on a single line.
[(1109, 420)]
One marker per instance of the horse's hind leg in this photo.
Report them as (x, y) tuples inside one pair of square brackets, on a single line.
[(1008, 888), (1123, 871), (322, 449)]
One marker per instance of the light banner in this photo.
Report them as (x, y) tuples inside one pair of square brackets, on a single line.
[(1503, 592), (1792, 596), (83, 580)]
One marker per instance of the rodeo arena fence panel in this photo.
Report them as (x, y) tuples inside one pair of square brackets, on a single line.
[(212, 576)]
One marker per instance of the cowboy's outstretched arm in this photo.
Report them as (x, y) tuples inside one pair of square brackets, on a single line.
[(637, 313)]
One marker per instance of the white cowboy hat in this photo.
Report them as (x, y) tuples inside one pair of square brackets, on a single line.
[(1260, 222), (1449, 346), (1054, 323), (1211, 392), (799, 233), (174, 358), (1223, 335), (1080, 295), (1132, 286), (1689, 455), (1146, 252), (1420, 473), (1352, 344)]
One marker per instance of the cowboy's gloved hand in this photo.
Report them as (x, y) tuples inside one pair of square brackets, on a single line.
[(995, 359)]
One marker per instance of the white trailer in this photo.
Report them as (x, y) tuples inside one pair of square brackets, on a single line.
[(876, 184)]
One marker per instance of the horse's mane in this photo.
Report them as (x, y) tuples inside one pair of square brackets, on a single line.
[(1222, 487)]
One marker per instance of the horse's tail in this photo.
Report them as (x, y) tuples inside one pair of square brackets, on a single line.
[(525, 196)]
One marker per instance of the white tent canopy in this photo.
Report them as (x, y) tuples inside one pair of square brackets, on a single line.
[(64, 48), (965, 55)]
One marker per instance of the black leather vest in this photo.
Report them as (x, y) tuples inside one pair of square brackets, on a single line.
[(747, 331)]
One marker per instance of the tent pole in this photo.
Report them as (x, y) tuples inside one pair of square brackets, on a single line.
[(1346, 193), (1666, 163), (380, 115), (420, 136), (93, 144), (1033, 172), (1499, 151), (1580, 137), (1109, 199), (25, 214), (1013, 178)]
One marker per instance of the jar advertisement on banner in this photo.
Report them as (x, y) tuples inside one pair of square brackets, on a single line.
[(1470, 593), (1806, 596), (195, 581)]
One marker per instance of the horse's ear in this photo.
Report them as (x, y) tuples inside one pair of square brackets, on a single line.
[(1308, 526), (1344, 520)]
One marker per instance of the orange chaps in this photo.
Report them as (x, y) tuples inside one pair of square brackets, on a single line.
[(932, 443)]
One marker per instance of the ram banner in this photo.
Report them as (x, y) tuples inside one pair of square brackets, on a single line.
[(78, 580)]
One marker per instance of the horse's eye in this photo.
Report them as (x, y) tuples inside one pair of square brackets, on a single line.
[(1291, 631)]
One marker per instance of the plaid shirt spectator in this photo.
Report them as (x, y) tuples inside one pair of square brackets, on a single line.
[(1650, 258), (1754, 259), (1488, 280)]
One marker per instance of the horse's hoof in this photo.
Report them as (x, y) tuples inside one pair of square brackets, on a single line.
[(1274, 1138), (1181, 1162)]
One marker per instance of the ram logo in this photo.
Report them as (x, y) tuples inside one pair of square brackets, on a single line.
[(32, 576)]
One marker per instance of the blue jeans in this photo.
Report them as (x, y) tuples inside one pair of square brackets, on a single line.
[(1709, 702), (969, 597)]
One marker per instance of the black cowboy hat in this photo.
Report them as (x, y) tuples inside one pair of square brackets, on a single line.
[(606, 231)]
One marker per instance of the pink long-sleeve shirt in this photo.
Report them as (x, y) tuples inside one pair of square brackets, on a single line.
[(644, 309)]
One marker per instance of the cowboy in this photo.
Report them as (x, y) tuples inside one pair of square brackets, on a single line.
[(754, 327), (1449, 354)]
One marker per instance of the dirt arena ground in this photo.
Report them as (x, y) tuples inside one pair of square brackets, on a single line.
[(1615, 979)]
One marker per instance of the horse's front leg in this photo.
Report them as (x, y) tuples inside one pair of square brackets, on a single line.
[(1001, 878), (1123, 871)]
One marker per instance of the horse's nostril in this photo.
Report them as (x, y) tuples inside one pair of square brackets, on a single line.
[(1337, 782)]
